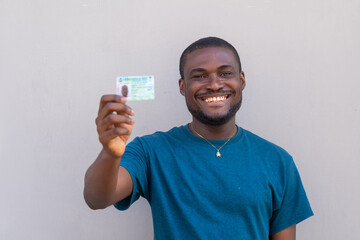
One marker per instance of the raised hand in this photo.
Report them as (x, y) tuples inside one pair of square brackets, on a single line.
[(114, 124)]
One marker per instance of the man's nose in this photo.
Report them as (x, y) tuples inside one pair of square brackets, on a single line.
[(215, 82)]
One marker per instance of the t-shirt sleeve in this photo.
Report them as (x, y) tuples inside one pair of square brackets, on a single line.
[(135, 161), (294, 206)]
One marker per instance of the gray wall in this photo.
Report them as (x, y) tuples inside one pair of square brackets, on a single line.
[(301, 60)]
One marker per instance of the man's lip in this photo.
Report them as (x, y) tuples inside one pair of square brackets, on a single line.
[(215, 98), (214, 94)]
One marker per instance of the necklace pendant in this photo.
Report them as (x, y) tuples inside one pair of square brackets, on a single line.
[(218, 154)]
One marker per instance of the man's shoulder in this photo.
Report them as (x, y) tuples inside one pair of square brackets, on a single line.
[(158, 141), (262, 144), (175, 132)]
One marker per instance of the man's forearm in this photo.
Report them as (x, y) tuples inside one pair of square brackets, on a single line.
[(101, 181)]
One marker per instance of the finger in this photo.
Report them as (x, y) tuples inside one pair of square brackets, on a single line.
[(111, 98), (119, 108), (110, 134), (113, 120)]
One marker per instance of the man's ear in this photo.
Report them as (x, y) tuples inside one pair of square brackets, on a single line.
[(242, 79), (181, 86)]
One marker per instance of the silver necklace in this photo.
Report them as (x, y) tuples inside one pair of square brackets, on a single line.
[(218, 154)]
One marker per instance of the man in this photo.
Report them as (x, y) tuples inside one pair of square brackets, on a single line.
[(209, 179)]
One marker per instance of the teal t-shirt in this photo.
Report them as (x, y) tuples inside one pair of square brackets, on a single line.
[(251, 192)]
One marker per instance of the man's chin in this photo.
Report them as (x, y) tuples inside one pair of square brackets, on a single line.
[(216, 120)]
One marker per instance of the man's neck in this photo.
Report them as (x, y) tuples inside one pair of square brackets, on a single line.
[(218, 132)]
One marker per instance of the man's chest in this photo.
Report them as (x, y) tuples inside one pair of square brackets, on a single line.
[(238, 184)]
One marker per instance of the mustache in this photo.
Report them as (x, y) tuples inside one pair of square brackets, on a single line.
[(211, 93)]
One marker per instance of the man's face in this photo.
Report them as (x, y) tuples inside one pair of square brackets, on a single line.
[(212, 85), (124, 91)]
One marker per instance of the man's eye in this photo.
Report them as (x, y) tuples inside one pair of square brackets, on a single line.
[(200, 76), (226, 74)]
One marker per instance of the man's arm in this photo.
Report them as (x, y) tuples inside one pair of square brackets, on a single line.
[(286, 234), (106, 182)]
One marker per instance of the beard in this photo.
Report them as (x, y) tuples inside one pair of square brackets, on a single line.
[(214, 120)]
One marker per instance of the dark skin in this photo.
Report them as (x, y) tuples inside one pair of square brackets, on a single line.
[(106, 182), (212, 87), (207, 73)]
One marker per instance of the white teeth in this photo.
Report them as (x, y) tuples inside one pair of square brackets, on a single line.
[(215, 99)]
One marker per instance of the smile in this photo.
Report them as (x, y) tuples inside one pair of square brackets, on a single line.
[(215, 99)]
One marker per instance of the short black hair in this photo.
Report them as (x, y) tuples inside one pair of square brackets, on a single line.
[(205, 43)]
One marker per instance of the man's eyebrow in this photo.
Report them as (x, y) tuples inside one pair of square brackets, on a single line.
[(225, 66), (204, 70), (197, 70)]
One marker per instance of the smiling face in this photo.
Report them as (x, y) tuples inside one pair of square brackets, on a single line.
[(212, 85)]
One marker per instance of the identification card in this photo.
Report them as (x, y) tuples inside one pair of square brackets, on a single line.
[(136, 87)]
